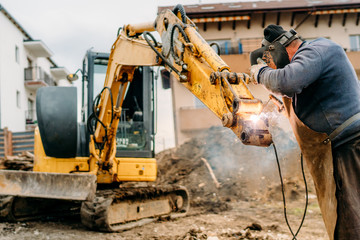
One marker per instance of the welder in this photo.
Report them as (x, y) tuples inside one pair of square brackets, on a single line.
[(321, 95)]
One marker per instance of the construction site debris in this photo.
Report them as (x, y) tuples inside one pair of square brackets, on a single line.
[(217, 158), (24, 162), (217, 184)]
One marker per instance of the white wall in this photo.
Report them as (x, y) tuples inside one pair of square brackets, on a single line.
[(13, 115), (12, 77)]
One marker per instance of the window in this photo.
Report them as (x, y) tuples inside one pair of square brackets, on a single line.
[(355, 43), (18, 99), (30, 114), (100, 67), (17, 54)]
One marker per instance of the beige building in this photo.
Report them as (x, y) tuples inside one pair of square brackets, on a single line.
[(238, 29)]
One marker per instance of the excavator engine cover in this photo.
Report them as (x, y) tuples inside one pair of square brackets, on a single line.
[(56, 109)]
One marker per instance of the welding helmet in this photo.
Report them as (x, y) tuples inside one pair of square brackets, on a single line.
[(275, 33), (273, 50)]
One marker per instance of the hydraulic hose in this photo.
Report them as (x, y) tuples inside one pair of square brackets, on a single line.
[(172, 39), (180, 8), (146, 34)]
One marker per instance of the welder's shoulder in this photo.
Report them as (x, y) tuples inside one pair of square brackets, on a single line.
[(323, 46)]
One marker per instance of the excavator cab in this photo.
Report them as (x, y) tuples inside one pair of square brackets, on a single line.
[(135, 133)]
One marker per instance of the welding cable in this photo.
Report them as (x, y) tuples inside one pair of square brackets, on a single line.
[(283, 194), (146, 34), (306, 194)]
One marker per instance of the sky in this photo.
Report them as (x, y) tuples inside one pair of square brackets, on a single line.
[(71, 27)]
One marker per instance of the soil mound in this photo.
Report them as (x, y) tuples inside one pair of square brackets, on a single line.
[(217, 168)]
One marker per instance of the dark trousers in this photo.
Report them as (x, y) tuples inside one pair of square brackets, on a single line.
[(346, 159)]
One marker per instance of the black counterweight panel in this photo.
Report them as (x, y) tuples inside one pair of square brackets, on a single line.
[(56, 109)]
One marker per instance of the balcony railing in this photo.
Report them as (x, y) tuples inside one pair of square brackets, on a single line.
[(231, 50), (237, 49), (37, 74), (354, 49)]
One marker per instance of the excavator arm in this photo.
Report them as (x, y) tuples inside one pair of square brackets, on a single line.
[(126, 54), (194, 63), (61, 174)]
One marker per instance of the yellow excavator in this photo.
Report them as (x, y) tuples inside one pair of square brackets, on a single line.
[(101, 164)]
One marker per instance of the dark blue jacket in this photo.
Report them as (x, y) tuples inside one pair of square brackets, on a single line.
[(323, 85)]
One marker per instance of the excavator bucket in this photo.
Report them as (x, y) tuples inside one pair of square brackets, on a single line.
[(47, 185)]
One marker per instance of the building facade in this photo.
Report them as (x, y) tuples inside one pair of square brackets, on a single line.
[(238, 29), (25, 66)]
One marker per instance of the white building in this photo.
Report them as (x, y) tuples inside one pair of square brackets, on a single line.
[(25, 66)]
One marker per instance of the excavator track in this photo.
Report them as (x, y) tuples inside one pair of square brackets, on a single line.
[(116, 210), (17, 209)]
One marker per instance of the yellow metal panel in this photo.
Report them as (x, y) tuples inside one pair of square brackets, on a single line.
[(39, 152), (43, 163), (135, 169), (124, 169), (62, 165)]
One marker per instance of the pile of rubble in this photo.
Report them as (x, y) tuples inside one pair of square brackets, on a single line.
[(217, 168), (24, 162)]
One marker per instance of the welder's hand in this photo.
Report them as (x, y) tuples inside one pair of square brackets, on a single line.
[(254, 70)]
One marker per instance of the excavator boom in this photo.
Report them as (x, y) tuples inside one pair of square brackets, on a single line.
[(192, 62)]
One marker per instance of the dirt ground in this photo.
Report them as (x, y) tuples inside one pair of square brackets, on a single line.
[(246, 203), (235, 223)]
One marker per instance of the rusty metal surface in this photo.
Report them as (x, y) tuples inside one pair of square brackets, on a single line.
[(47, 185)]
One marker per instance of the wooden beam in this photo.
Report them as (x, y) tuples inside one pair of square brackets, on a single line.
[(263, 20), (292, 19), (302, 21), (278, 18), (249, 23), (316, 21), (205, 26), (10, 146), (344, 19), (330, 20), (357, 19), (234, 25), (219, 26)]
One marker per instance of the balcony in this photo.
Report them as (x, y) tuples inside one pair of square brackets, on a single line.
[(37, 48), (242, 46), (36, 77)]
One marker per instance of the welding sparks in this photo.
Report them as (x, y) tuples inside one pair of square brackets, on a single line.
[(255, 118)]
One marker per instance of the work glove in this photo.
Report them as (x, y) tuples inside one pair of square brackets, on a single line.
[(255, 69)]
